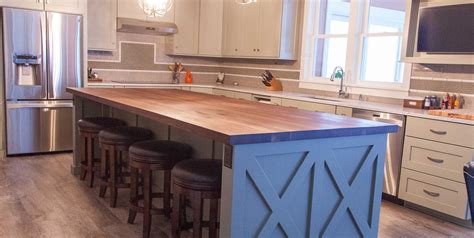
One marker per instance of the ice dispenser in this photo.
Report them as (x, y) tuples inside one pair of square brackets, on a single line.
[(28, 69)]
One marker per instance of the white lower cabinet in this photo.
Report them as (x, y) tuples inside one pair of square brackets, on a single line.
[(433, 192), (344, 111), (221, 92), (310, 106), (202, 90), (434, 154)]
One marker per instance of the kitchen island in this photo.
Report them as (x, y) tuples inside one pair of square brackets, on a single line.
[(286, 172)]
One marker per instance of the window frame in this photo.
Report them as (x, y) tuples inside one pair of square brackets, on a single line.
[(358, 31)]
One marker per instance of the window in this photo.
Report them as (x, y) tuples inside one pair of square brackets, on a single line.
[(382, 42), (331, 41), (363, 37)]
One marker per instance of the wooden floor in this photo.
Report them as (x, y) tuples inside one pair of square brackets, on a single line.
[(40, 198)]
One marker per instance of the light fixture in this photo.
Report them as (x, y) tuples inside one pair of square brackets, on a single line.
[(242, 2), (156, 8)]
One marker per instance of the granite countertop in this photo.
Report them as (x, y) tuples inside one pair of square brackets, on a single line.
[(228, 120), (373, 106)]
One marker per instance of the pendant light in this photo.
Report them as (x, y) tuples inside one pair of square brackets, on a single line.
[(156, 8), (243, 2)]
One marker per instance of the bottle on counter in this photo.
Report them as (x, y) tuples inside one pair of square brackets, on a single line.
[(457, 103), (427, 103), (444, 105), (452, 99)]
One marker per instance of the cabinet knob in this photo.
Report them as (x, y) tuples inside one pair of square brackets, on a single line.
[(258, 50), (254, 50), (235, 49)]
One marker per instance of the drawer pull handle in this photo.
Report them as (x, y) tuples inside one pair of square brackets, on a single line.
[(438, 132), (439, 161), (433, 194)]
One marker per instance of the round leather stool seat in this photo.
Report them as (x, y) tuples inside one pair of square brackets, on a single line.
[(198, 174), (96, 124), (124, 135), (163, 152)]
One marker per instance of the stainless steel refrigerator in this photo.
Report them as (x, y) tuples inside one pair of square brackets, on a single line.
[(42, 56)]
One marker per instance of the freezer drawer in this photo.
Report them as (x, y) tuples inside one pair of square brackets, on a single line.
[(39, 127)]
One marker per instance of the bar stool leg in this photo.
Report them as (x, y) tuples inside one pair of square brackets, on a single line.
[(84, 156), (147, 202), (197, 213), (103, 171), (167, 193), (176, 214), (132, 214), (113, 176), (213, 218), (90, 160)]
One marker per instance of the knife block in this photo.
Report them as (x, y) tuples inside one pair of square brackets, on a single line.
[(275, 85)]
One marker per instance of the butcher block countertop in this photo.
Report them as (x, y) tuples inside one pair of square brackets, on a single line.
[(231, 121)]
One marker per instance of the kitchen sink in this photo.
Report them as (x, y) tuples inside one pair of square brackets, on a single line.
[(321, 98)]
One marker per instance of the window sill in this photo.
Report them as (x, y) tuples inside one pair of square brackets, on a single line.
[(390, 92)]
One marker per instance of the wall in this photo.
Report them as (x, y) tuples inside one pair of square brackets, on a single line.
[(440, 79)]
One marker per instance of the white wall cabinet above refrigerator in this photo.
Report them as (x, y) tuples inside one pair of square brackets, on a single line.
[(65, 6), (27, 4)]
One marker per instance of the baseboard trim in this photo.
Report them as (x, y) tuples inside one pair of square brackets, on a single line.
[(442, 216)]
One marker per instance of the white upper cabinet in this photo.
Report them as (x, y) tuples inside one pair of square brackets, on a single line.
[(27, 4), (66, 6), (186, 41), (265, 29), (232, 28), (210, 27), (131, 9), (102, 24)]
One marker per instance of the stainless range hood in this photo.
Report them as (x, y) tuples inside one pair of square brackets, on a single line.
[(145, 27)]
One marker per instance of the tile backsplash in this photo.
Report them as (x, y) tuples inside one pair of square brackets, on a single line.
[(142, 59)]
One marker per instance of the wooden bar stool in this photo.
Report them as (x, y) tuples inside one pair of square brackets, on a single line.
[(114, 143), (148, 157), (89, 129), (196, 179)]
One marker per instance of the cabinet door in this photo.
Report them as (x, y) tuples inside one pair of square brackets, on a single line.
[(67, 6), (210, 27), (130, 9), (251, 29), (233, 27), (269, 29), (186, 41), (27, 4), (102, 24)]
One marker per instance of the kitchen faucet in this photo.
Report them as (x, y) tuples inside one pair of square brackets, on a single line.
[(339, 73)]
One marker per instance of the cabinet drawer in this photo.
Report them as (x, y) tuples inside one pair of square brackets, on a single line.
[(221, 92), (244, 96), (202, 90), (344, 111), (439, 194), (436, 158), (310, 106), (447, 132)]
